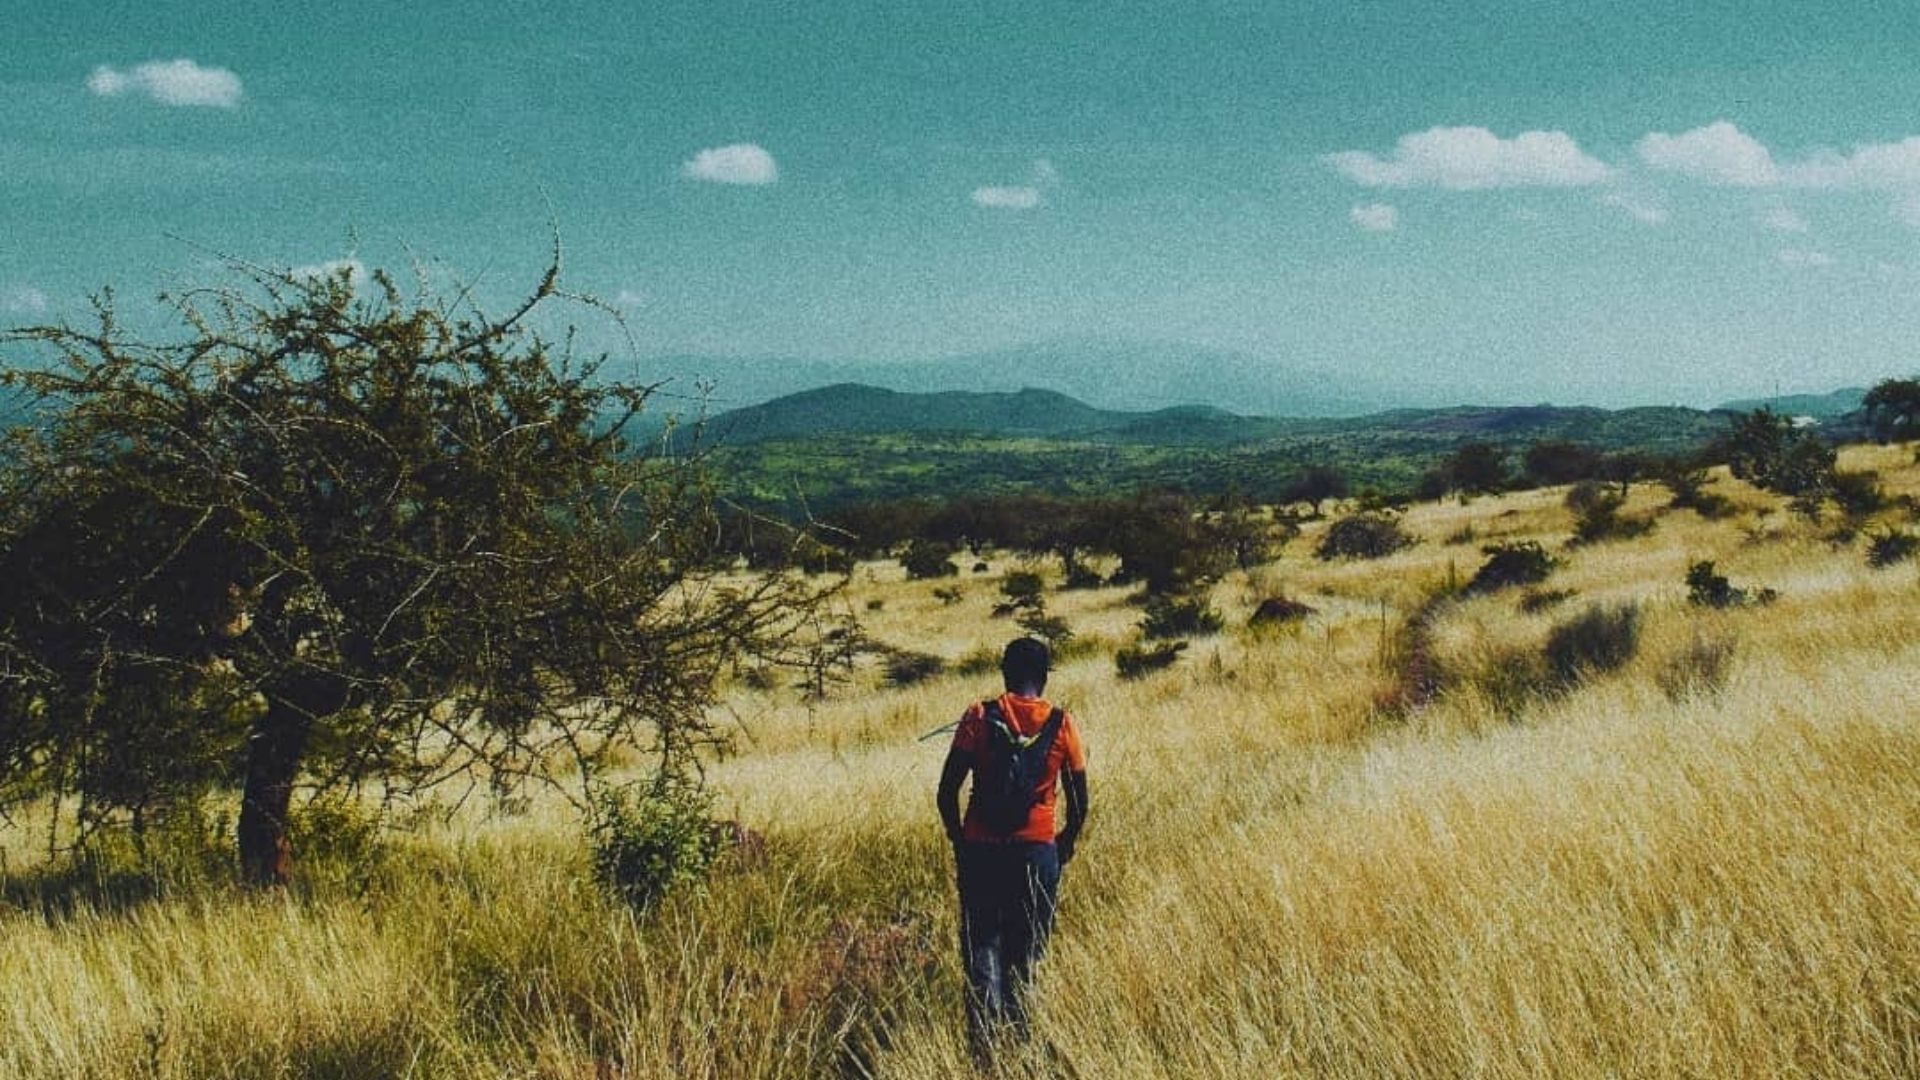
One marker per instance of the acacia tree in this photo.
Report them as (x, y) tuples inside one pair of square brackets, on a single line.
[(332, 535), (1893, 409)]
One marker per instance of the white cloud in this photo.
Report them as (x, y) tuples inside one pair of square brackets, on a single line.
[(1375, 217), (1718, 153), (1645, 211), (1473, 158), (355, 270), (1019, 196), (739, 163), (1783, 219), (632, 298), (170, 82), (1006, 198), (1803, 257), (23, 300)]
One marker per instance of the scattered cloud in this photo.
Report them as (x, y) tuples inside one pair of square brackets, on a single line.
[(1473, 158), (1019, 196), (1783, 219), (23, 300), (739, 163), (1718, 153), (169, 82), (1803, 257), (1641, 209), (1006, 198), (354, 269), (1375, 217), (632, 298)]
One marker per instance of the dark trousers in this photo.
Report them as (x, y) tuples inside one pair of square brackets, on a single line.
[(1007, 897)]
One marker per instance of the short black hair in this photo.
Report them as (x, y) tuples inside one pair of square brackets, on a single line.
[(1025, 663)]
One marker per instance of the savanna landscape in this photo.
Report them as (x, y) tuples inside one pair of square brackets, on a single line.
[(1601, 812)]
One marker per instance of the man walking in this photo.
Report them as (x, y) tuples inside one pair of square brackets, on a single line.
[(1021, 752)]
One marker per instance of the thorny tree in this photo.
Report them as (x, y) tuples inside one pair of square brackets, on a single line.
[(333, 535)]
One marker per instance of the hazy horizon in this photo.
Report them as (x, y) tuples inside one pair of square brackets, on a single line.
[(1526, 201)]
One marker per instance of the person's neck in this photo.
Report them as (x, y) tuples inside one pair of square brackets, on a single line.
[(1029, 693)]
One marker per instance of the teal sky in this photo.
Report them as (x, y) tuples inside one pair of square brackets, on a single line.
[(1661, 206)]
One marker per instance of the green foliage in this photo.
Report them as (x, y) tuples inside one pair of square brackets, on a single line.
[(1893, 409), (1179, 616), (1315, 485), (1858, 494), (1601, 639), (1051, 629), (1705, 588), (1597, 515), (1534, 601), (1477, 468), (1363, 536), (1024, 589), (1890, 547), (1765, 448), (904, 667), (1509, 565), (928, 559), (335, 532), (1688, 485), (1559, 461), (1138, 661), (646, 840)]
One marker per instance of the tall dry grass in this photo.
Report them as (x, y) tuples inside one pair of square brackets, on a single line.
[(1706, 863)]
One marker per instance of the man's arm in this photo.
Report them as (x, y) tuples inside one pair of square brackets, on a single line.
[(947, 798), (1075, 783)]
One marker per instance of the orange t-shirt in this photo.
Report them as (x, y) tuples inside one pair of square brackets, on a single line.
[(1025, 716)]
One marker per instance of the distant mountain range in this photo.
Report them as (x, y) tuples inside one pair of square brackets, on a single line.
[(1116, 375), (1820, 406)]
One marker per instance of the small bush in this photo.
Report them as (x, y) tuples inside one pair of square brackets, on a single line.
[(1510, 565), (979, 660), (1279, 611), (1024, 589), (1135, 661), (1600, 639), (1363, 536), (649, 839), (1081, 577), (1172, 617), (1708, 589), (948, 595), (1598, 519), (1700, 668), (905, 667), (1465, 534), (876, 604), (1534, 601), (1891, 547), (924, 560), (1051, 629), (982, 568)]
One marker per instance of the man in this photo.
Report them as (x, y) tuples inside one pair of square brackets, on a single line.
[(1022, 752)]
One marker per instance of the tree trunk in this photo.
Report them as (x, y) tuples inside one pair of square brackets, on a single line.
[(274, 749)]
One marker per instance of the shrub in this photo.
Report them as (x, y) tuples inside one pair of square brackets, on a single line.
[(926, 559), (1602, 638), (1179, 616), (1279, 611), (647, 840), (1891, 547), (1135, 661), (1024, 589), (1508, 565), (1858, 494), (904, 667), (979, 660), (1082, 577), (1708, 589), (1534, 601), (1051, 629), (1363, 536), (876, 604), (1699, 668), (948, 595), (1597, 516)]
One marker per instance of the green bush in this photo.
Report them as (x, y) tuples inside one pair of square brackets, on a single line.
[(1508, 565), (1051, 629), (1136, 661), (1024, 589), (979, 660), (905, 667), (1891, 547), (1179, 616), (1363, 536), (648, 839), (925, 559), (1602, 638)]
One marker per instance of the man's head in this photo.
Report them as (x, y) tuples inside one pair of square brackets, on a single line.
[(1024, 665)]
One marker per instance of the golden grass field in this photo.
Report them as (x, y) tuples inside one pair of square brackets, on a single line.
[(1669, 870)]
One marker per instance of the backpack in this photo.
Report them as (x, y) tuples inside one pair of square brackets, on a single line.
[(1004, 786)]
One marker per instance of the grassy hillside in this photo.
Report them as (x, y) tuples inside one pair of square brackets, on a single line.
[(1302, 859)]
